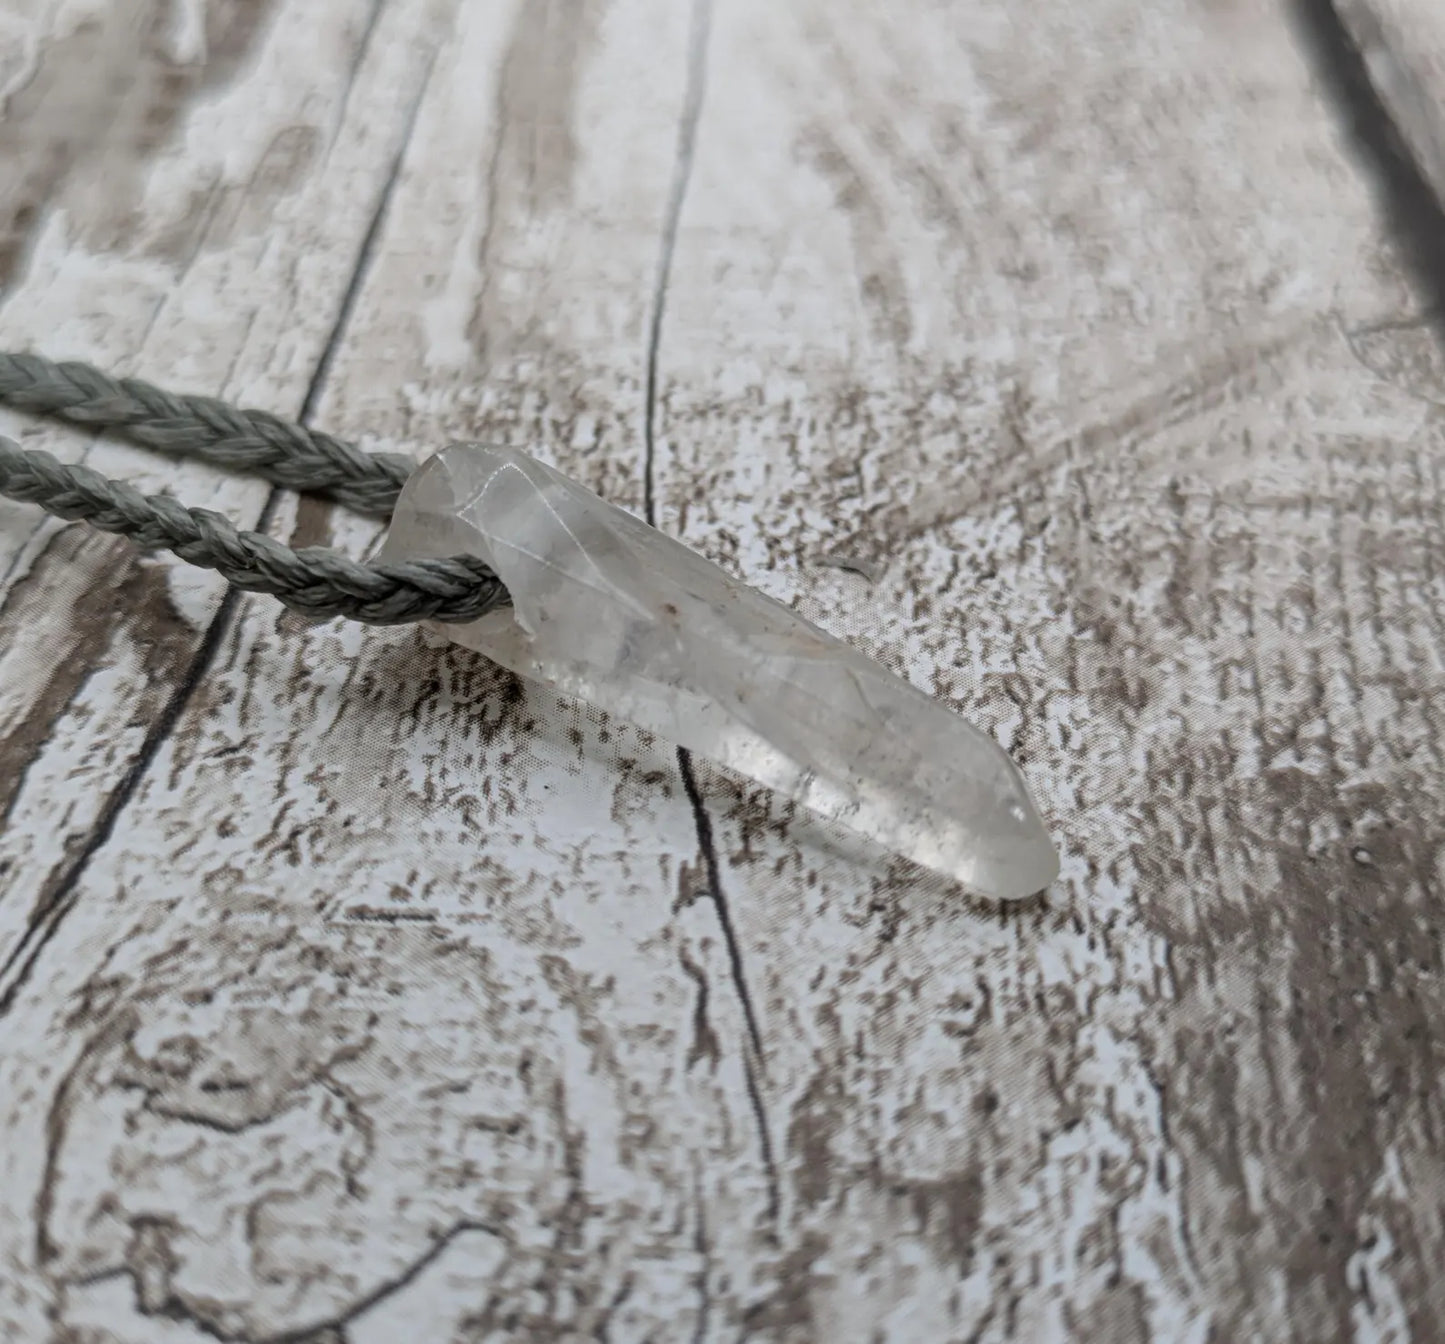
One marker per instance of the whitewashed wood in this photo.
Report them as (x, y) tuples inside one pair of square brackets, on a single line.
[(1063, 344), (401, 1002), (196, 217)]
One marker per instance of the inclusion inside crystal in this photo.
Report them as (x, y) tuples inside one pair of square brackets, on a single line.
[(612, 611)]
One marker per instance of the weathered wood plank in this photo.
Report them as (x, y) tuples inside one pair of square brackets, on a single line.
[(406, 1000), (1058, 319), (192, 186), (584, 1172)]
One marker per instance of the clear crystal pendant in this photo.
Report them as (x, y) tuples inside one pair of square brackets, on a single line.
[(615, 612)]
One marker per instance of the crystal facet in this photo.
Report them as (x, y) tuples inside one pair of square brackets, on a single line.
[(615, 612)]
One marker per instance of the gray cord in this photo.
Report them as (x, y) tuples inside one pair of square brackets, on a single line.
[(255, 443), (316, 582)]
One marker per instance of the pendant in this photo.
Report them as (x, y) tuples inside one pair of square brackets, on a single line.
[(614, 612)]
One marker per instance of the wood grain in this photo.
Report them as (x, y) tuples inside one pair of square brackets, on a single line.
[(358, 991), (216, 276)]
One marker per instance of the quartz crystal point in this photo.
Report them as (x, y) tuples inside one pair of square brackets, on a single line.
[(615, 612)]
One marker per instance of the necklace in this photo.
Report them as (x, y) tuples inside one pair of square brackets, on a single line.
[(507, 556)]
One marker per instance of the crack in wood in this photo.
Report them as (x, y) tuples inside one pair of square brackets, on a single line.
[(694, 93), (753, 1056), (693, 100), (58, 898)]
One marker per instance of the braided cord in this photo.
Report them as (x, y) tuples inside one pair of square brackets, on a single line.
[(314, 581), (254, 443), (317, 582)]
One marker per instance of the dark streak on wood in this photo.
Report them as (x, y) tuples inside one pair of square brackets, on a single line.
[(693, 101), (60, 892), (754, 1057), (361, 265)]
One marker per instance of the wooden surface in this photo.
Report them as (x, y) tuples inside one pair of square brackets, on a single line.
[(353, 991), (1401, 44)]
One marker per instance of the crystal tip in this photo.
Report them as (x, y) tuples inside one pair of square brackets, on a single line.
[(1018, 859)]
